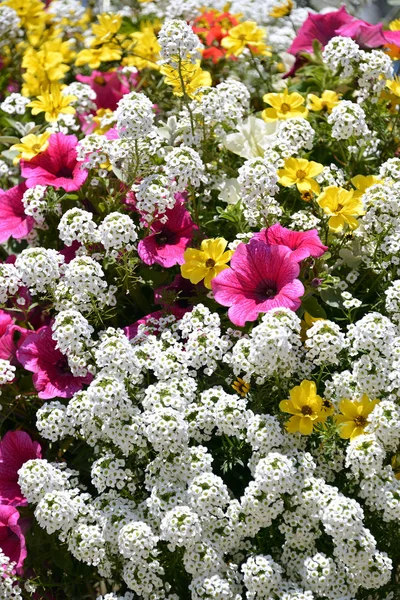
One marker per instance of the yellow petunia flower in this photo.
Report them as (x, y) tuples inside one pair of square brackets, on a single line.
[(282, 10), (284, 106), (192, 75), (207, 262), (305, 406), (30, 146), (241, 387), (362, 183), (300, 172), (341, 206), (326, 102), (93, 57), (354, 417), (107, 27), (245, 35), (53, 103)]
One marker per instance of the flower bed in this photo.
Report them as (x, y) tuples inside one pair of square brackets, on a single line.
[(200, 302)]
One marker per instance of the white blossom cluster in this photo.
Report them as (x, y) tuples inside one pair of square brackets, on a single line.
[(14, 104), (178, 43), (258, 184)]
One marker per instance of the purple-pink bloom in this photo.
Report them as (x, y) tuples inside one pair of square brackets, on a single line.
[(302, 243), (57, 166), (13, 220), (11, 337), (12, 539), (16, 448), (168, 241), (151, 319), (321, 27), (52, 377), (109, 87), (261, 277)]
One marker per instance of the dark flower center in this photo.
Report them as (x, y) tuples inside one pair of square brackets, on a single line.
[(306, 410), (64, 172), (210, 263), (99, 80), (360, 421), (339, 207), (285, 108)]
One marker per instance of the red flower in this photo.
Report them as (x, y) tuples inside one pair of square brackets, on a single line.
[(52, 377), (16, 448), (57, 166), (212, 27), (13, 220)]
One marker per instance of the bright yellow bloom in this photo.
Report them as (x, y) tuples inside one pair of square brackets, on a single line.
[(362, 183), (300, 172), (30, 146), (354, 417), (107, 27), (100, 128), (326, 102), (394, 86), (53, 103), (145, 50), (241, 387), (282, 9), (207, 262), (30, 12), (93, 57), (394, 25), (45, 66), (245, 35), (305, 406), (284, 106), (192, 75), (341, 206)]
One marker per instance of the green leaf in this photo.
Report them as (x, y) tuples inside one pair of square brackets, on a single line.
[(8, 140), (127, 26), (312, 306), (332, 297)]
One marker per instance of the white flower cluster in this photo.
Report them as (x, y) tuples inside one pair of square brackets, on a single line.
[(77, 225), (84, 95), (10, 281), (341, 54), (117, 232), (348, 121), (178, 43), (9, 26), (14, 104), (258, 184), (7, 371), (135, 116), (35, 204), (294, 136), (324, 343), (39, 269), (224, 106), (374, 69), (9, 588)]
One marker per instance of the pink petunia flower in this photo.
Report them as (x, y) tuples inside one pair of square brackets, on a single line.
[(11, 337), (302, 243), (16, 448), (109, 87), (12, 539), (151, 320), (13, 220), (52, 377), (168, 241), (57, 166), (261, 277), (321, 27)]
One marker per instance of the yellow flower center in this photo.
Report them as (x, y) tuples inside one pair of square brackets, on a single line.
[(285, 108), (210, 263), (36, 147), (99, 80), (306, 410), (360, 421), (300, 174)]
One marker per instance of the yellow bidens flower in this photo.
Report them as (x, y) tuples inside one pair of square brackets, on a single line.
[(305, 406), (106, 28), (241, 387), (207, 262), (341, 206), (30, 146), (245, 35), (186, 80), (283, 9), (326, 102), (354, 417), (53, 103), (284, 106), (143, 49), (362, 183), (31, 12), (394, 86), (300, 172), (93, 57)]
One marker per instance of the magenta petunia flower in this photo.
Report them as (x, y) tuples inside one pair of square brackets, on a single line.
[(168, 241), (52, 377), (302, 243), (13, 220), (151, 319), (109, 87), (12, 539), (16, 448), (261, 277), (11, 337), (57, 166)]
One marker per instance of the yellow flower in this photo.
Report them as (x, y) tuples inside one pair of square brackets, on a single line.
[(207, 262), (307, 196), (246, 34), (326, 102), (107, 27), (300, 172), (192, 75), (30, 12), (362, 183), (354, 417), (53, 103), (282, 9), (98, 118), (341, 206), (93, 57), (30, 146), (145, 49), (241, 387), (394, 25), (305, 406), (307, 322), (394, 86), (284, 106)]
